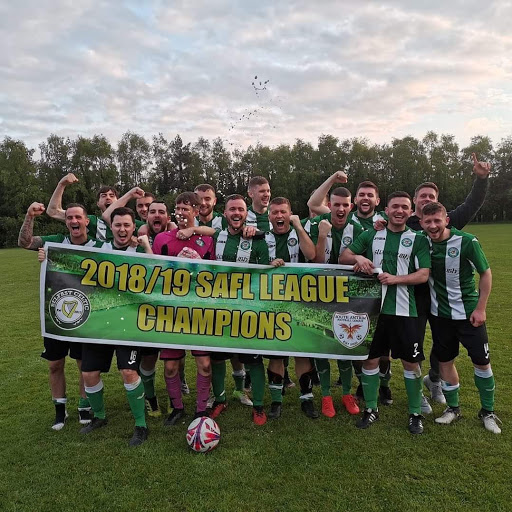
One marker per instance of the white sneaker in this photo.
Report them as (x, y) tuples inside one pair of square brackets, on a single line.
[(244, 399), (436, 391), (490, 421), (209, 403), (425, 406), (449, 415), (59, 425)]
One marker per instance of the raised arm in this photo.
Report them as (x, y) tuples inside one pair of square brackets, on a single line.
[(315, 203), (134, 193), (305, 243), (55, 210), (26, 238), (324, 226), (466, 211)]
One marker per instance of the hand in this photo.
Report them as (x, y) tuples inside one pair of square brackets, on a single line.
[(134, 241), (481, 169), (339, 177), (41, 254), (477, 318), (35, 209), (143, 241), (324, 226), (379, 225), (363, 265), (137, 192), (294, 220), (190, 253), (185, 234), (388, 279), (143, 230), (278, 262), (69, 179), (248, 231), (171, 225)]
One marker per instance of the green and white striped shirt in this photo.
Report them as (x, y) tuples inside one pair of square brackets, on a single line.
[(452, 281), (258, 220), (240, 250), (218, 222), (285, 246)]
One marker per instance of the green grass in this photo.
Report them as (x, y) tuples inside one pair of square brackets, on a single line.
[(292, 464)]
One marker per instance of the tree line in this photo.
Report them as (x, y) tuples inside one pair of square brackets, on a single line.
[(167, 167)]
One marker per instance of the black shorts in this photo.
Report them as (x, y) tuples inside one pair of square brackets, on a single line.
[(58, 349), (149, 351), (447, 333), (401, 335), (256, 358), (96, 357), (220, 356)]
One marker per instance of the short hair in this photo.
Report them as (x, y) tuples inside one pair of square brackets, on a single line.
[(432, 209), (426, 184), (107, 188), (77, 205), (122, 210), (158, 201), (147, 194), (234, 197), (256, 181), (399, 193), (204, 187), (280, 200), (189, 198), (368, 184), (341, 192)]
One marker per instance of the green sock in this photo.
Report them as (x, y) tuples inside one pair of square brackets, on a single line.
[(239, 380), (385, 373), (345, 368), (258, 382), (149, 383), (83, 403), (451, 395), (97, 403), (136, 400), (219, 381), (275, 385), (486, 388), (370, 389), (414, 392), (324, 374)]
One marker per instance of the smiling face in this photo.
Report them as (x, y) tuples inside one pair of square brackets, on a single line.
[(142, 207), (340, 208), (436, 226), (185, 215), (398, 211), (77, 222), (260, 195), (279, 217), (208, 201), (123, 228), (366, 200), (424, 196), (106, 199), (157, 218), (235, 213)]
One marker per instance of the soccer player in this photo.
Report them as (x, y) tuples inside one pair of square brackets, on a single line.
[(458, 311), (55, 351), (257, 213), (404, 257), (141, 200), (287, 241), (230, 245), (142, 205), (97, 358), (332, 232), (207, 216), (97, 227), (198, 247)]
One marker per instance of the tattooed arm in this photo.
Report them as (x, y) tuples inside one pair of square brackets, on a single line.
[(26, 238)]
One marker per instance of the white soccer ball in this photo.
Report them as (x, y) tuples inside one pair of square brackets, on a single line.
[(203, 434)]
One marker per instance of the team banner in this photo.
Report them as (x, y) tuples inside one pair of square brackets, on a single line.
[(136, 299)]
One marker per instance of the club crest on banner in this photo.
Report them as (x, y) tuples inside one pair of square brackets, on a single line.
[(350, 328), (69, 308)]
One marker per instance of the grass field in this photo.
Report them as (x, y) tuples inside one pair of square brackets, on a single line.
[(291, 464)]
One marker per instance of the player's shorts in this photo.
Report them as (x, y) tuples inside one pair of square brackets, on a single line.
[(97, 357), (447, 333), (256, 358), (174, 354), (149, 351), (401, 335), (58, 349), (221, 356)]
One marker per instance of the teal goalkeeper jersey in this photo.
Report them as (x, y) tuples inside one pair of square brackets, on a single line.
[(398, 254), (240, 250), (452, 281), (337, 239), (258, 220)]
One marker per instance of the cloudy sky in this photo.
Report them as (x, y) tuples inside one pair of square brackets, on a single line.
[(348, 68)]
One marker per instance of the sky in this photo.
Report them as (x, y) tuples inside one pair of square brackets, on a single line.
[(249, 72)]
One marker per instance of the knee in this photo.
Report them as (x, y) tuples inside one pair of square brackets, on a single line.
[(171, 369), (56, 367), (129, 376)]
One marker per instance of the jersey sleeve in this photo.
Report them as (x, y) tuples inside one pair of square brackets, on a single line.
[(262, 255), (53, 238), (362, 242), (477, 257), (422, 252)]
